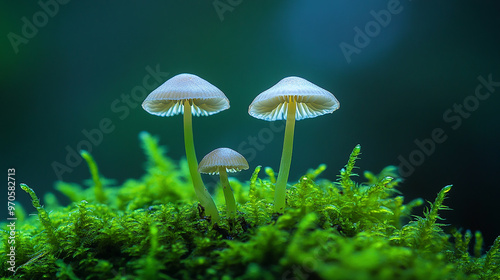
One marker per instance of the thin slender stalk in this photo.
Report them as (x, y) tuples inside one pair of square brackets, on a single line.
[(199, 188), (94, 171), (286, 158), (228, 193)]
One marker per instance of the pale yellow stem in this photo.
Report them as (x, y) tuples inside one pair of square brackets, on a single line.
[(228, 193), (286, 158), (199, 188)]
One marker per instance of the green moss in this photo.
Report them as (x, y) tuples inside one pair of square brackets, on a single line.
[(153, 228)]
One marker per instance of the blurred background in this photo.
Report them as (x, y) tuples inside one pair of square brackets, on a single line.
[(418, 85)]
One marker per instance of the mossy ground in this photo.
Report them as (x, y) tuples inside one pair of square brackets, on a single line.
[(153, 228)]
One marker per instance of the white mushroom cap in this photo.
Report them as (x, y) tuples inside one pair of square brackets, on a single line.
[(226, 158), (168, 99), (311, 100)]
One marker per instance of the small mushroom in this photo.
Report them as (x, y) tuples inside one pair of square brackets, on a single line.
[(291, 99), (220, 161), (189, 95)]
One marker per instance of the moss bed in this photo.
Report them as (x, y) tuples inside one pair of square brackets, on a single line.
[(153, 228)]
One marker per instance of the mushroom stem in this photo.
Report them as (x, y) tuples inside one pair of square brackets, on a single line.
[(199, 188), (286, 158), (228, 193)]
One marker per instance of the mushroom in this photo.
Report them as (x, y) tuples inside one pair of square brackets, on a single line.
[(220, 161), (189, 95), (291, 99)]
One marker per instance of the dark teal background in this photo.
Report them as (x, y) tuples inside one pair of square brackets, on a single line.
[(76, 68)]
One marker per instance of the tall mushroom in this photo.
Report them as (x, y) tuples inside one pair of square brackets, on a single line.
[(190, 95), (220, 161), (291, 99)]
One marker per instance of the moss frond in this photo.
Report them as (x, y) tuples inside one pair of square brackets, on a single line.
[(272, 176), (256, 205), (424, 233), (346, 172), (72, 191), (491, 264), (478, 245), (313, 173), (100, 196), (155, 154), (44, 217)]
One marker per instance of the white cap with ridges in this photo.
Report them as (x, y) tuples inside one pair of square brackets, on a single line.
[(168, 99), (311, 100), (226, 158)]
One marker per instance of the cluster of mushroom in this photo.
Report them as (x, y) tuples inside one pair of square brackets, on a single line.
[(291, 99)]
